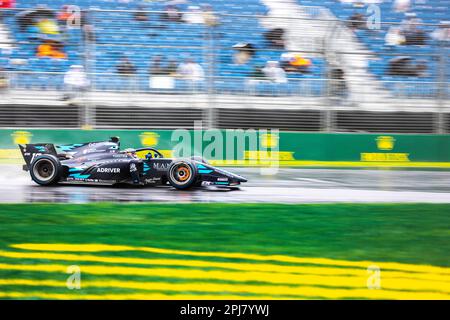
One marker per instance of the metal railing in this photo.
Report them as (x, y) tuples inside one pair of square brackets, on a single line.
[(316, 97)]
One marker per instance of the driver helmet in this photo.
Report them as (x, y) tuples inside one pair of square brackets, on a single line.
[(130, 152)]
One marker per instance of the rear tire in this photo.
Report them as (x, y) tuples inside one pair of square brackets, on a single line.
[(45, 170), (182, 175)]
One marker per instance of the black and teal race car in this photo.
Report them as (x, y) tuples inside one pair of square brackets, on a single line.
[(104, 163)]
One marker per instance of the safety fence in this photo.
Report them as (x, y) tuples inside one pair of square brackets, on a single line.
[(336, 76), (232, 51)]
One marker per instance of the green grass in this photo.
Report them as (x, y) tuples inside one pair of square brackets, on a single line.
[(413, 233), (409, 233)]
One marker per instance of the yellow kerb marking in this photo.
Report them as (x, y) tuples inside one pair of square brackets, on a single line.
[(246, 256), (340, 277), (132, 296), (240, 291), (202, 275)]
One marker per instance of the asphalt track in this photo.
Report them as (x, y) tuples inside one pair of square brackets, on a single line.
[(286, 186)]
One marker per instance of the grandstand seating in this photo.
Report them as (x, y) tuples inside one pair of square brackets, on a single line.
[(119, 34), (428, 11)]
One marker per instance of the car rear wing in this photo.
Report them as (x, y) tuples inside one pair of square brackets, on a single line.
[(31, 151)]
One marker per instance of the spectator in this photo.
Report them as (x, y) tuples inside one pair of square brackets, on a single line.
[(140, 15), (257, 72), (127, 71), (442, 33), (48, 26), (413, 34), (295, 62), (416, 37), (172, 14), (51, 49), (171, 68), (125, 67), (357, 21), (194, 15), (394, 37), (24, 20), (275, 38), (75, 81), (274, 73), (210, 19), (402, 5), (162, 77), (405, 66), (63, 15), (64, 18), (4, 82), (156, 67), (191, 71), (243, 53)]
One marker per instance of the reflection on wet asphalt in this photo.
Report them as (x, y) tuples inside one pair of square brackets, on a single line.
[(287, 186)]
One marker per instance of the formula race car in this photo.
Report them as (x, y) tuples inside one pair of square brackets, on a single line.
[(104, 163)]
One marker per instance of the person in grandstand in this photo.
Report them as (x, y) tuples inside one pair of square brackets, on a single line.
[(191, 71), (407, 66), (244, 52), (394, 37), (76, 82), (172, 66), (274, 73), (295, 62), (172, 14), (4, 81), (140, 15), (127, 71), (51, 49), (156, 66), (193, 15), (210, 19), (275, 38), (125, 67), (442, 33)]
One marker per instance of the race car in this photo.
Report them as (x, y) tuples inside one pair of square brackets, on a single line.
[(104, 163)]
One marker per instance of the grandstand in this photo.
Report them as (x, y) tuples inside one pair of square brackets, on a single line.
[(118, 34), (346, 68), (429, 13)]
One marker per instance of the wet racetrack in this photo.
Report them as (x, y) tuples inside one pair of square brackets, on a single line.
[(287, 186)]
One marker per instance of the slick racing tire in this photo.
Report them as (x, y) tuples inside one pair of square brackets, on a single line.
[(182, 175), (45, 170)]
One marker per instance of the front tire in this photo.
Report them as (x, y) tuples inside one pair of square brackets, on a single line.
[(45, 170), (182, 175)]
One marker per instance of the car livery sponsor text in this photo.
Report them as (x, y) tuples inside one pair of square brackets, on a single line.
[(108, 170)]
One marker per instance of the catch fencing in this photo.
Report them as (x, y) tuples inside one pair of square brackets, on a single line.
[(348, 84)]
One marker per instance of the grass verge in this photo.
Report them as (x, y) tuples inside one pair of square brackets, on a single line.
[(413, 234)]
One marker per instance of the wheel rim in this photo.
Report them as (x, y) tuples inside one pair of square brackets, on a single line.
[(181, 173), (44, 170)]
